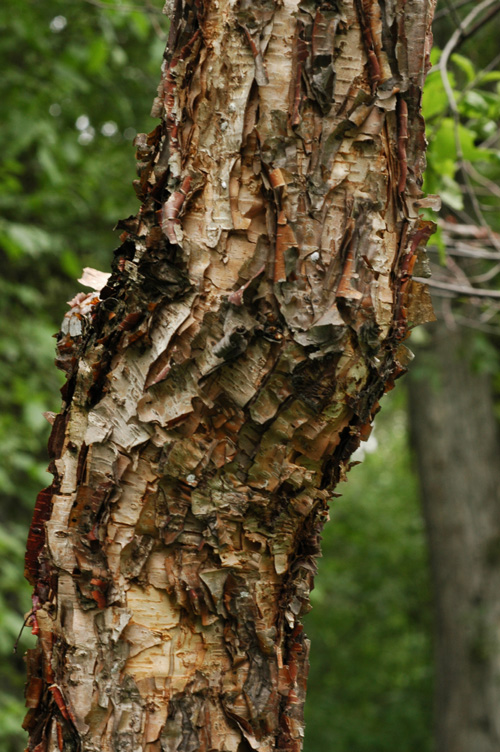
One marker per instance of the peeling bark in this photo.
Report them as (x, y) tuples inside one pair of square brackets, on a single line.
[(221, 379)]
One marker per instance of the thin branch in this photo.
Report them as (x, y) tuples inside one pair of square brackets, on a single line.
[(442, 293), (454, 41), (479, 192), (490, 274), (470, 292), (490, 140), (477, 79), (485, 182), (26, 619), (464, 164), (464, 215), (468, 252), (475, 324), (152, 14), (488, 208), (490, 311), (482, 22), (469, 231), (457, 271), (453, 12), (448, 314), (444, 11)]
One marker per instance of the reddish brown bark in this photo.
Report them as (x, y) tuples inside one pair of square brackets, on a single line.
[(219, 385)]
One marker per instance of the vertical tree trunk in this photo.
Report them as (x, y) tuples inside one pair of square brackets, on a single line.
[(219, 386), (455, 435)]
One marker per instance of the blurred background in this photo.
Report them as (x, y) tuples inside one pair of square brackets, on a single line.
[(406, 609)]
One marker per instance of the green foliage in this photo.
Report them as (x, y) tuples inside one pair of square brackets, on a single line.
[(77, 83), (13, 596), (476, 94), (370, 684)]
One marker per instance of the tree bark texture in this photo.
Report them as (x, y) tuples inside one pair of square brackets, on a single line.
[(455, 436), (221, 380)]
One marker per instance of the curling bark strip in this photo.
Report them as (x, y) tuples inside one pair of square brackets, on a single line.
[(218, 385)]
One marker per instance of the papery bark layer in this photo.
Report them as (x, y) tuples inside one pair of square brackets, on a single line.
[(220, 382)]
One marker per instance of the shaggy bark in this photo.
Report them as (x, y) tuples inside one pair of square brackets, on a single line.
[(221, 380), (455, 435)]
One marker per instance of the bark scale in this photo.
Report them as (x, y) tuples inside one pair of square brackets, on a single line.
[(220, 382), (455, 434)]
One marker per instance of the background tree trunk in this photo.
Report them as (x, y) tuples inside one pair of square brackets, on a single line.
[(455, 436), (218, 387)]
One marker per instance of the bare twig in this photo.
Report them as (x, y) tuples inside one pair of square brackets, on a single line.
[(485, 182), (475, 324), (474, 239), (477, 79), (454, 41), (490, 140), (462, 290), (448, 313), (458, 36), (482, 22), (457, 272), (490, 311), (452, 9), (468, 252), (469, 231), (490, 274), (444, 11), (152, 13)]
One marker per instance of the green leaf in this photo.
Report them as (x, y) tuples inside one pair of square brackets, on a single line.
[(469, 149), (21, 239), (473, 104), (49, 165), (450, 193), (437, 240), (98, 54), (141, 23), (442, 143), (488, 77), (465, 65), (70, 264), (435, 55), (434, 99)]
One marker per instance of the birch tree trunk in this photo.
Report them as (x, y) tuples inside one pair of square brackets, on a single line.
[(219, 384)]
